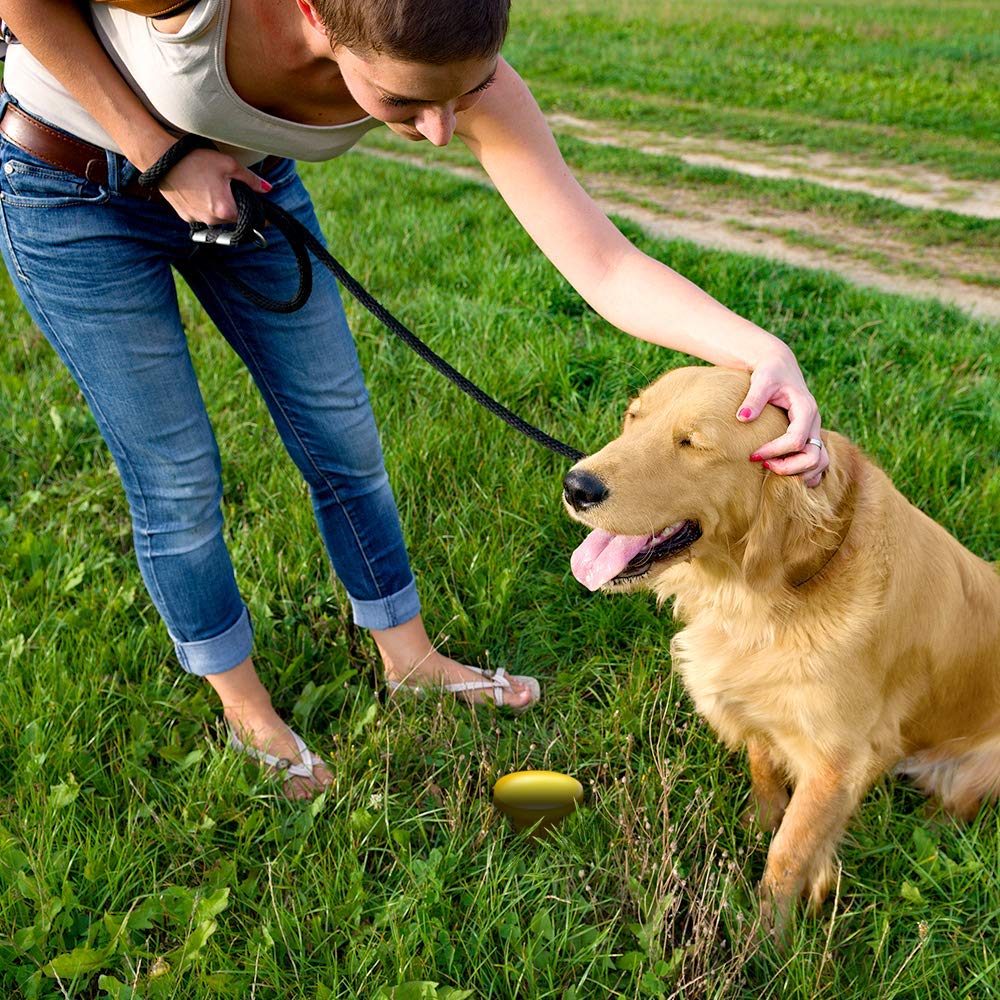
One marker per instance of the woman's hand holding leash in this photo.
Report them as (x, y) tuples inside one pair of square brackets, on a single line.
[(198, 187)]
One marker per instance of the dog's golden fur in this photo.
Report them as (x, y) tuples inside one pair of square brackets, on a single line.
[(837, 632)]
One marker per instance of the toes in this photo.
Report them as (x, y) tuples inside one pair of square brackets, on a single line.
[(299, 788), (296, 789), (518, 695)]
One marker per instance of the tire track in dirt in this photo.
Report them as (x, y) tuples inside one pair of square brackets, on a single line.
[(861, 256), (717, 230), (906, 184)]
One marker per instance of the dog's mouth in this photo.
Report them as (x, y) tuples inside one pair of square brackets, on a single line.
[(606, 560)]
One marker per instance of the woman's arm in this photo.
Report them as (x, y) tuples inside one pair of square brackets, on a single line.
[(509, 136), (58, 35)]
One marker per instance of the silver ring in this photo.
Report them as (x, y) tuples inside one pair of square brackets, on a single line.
[(817, 442)]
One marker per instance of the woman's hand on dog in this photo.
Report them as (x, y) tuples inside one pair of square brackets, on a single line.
[(779, 381)]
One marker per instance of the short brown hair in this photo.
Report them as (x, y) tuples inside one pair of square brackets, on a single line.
[(425, 31)]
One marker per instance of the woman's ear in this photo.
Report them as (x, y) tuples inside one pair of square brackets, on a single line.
[(306, 10)]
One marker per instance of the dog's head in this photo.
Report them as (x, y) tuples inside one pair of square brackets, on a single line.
[(678, 483)]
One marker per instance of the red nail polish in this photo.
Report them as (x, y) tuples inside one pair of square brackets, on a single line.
[(745, 413), (765, 464), (755, 458), (267, 187)]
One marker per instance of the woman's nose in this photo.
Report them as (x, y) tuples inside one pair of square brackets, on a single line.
[(436, 125)]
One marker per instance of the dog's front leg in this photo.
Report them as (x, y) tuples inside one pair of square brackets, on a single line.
[(800, 860), (769, 784)]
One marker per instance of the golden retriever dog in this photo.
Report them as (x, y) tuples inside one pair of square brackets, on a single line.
[(835, 632)]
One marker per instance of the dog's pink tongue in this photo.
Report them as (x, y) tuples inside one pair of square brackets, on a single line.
[(602, 556)]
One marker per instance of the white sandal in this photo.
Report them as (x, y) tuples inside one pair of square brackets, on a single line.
[(287, 768), (493, 680)]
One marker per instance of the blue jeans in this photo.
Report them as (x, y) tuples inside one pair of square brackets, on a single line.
[(93, 268)]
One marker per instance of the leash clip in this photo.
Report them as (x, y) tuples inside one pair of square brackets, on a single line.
[(225, 236)]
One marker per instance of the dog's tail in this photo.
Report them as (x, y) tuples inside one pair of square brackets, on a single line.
[(962, 775)]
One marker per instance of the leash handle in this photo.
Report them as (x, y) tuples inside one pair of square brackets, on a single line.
[(249, 226), (255, 212), (252, 220)]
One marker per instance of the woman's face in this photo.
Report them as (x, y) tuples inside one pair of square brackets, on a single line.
[(416, 100)]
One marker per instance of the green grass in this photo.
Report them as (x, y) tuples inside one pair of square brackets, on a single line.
[(875, 216), (118, 800), (909, 81), (138, 858)]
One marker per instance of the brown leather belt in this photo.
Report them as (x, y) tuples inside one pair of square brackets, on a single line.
[(74, 155), (64, 151)]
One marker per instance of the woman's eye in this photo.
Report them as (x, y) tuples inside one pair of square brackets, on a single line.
[(485, 85)]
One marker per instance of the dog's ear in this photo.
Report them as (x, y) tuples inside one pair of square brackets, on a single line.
[(793, 528), (763, 560)]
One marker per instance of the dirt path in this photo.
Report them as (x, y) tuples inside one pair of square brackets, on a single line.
[(709, 227), (904, 183), (950, 274)]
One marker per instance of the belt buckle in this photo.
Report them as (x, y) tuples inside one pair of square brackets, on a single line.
[(96, 171)]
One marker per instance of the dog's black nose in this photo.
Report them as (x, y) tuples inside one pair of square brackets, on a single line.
[(583, 489)]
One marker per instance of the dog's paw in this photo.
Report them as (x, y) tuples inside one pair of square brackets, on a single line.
[(764, 813), (780, 905), (818, 885), (775, 924)]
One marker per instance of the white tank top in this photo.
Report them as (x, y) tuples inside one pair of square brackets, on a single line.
[(182, 80)]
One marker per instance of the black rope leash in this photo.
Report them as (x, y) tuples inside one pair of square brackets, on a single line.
[(255, 212), (152, 176)]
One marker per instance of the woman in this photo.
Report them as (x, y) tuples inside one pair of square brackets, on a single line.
[(93, 97)]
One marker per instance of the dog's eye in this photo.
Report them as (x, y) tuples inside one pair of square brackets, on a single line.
[(684, 442)]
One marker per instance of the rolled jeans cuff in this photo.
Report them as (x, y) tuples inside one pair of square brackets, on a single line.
[(387, 612), (220, 653)]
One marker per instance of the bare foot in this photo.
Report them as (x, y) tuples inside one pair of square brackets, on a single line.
[(436, 670), (265, 731), (247, 707), (411, 659)]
